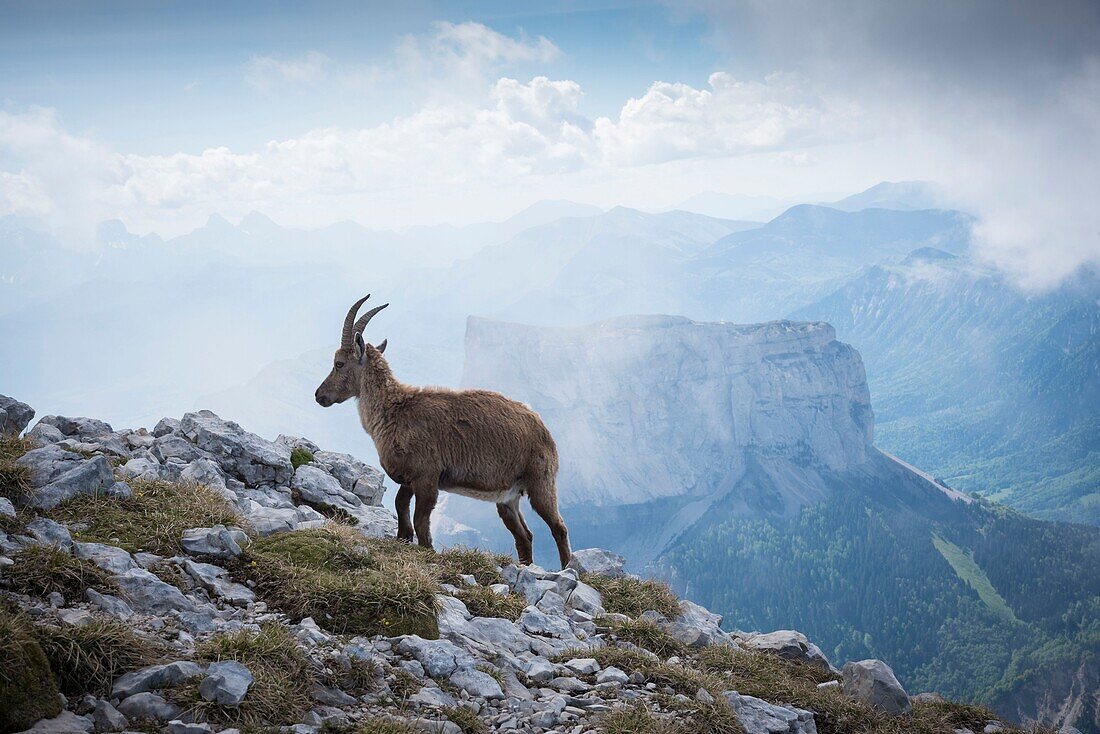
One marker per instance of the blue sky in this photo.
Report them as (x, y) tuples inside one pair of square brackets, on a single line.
[(395, 114)]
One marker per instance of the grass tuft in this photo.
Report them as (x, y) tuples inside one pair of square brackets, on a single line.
[(480, 564), (86, 659), (348, 586), (466, 719), (637, 719), (300, 456), (152, 520), (40, 570), (484, 602), (283, 676), (404, 683), (14, 479), (633, 597), (646, 634), (28, 690)]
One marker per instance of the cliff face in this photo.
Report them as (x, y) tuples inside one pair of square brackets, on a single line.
[(651, 407)]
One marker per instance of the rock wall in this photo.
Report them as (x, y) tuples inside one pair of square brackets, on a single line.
[(650, 407)]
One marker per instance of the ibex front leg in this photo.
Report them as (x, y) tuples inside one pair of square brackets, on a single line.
[(422, 516), (404, 522)]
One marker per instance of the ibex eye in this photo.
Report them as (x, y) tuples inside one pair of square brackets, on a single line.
[(339, 365)]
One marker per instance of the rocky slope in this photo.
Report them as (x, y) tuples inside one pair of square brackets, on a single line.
[(213, 638)]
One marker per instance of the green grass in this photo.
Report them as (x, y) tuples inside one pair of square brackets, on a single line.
[(300, 456), (280, 693), (347, 583), (87, 658), (633, 597), (28, 690), (40, 570), (969, 571), (152, 520)]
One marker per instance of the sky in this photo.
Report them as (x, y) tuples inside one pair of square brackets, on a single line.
[(397, 114)]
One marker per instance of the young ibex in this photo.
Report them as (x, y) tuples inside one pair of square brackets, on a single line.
[(476, 443)]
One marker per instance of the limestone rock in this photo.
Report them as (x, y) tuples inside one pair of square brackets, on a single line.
[(597, 561), (14, 416), (239, 453), (790, 645), (226, 683), (873, 682)]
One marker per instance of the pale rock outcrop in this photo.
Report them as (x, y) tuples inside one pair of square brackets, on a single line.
[(873, 682)]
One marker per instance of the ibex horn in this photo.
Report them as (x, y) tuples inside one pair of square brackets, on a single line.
[(349, 321), (365, 318)]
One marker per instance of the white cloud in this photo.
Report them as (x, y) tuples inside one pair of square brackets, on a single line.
[(467, 54), (268, 72), (521, 130)]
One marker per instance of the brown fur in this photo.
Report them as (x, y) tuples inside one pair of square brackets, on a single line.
[(476, 442)]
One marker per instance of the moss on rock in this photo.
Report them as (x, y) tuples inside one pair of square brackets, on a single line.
[(28, 690)]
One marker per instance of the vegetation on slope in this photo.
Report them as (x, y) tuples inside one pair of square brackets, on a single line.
[(860, 574)]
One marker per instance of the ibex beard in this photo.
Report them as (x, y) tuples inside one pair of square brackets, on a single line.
[(475, 443)]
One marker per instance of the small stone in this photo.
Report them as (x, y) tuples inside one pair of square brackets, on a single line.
[(597, 561), (179, 727), (107, 718), (872, 682), (218, 541), (612, 675), (583, 666), (148, 706), (226, 683)]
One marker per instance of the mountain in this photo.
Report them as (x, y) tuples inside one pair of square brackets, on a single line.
[(738, 461), (735, 206), (903, 195), (991, 388)]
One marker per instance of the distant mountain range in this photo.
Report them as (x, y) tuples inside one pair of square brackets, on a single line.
[(992, 389), (978, 383)]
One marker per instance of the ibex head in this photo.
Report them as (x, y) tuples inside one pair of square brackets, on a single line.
[(349, 361)]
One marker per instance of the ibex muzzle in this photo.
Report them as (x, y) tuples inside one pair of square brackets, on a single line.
[(477, 443)]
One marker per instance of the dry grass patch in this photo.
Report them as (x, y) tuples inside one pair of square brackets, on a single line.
[(352, 586), (40, 570), (14, 479), (373, 726), (28, 691), (280, 693), (404, 683), (480, 564), (152, 520), (466, 719), (484, 602), (86, 659), (633, 597), (693, 718), (648, 635)]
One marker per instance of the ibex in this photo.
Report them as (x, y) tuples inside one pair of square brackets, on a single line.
[(475, 443)]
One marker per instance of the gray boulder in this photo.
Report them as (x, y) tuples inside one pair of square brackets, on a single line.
[(760, 717), (173, 447), (218, 541), (477, 683), (440, 658), (790, 645), (108, 557), (107, 718), (48, 532), (14, 416), (873, 683), (110, 604), (83, 428), (239, 453), (58, 475), (155, 677), (149, 595), (7, 509), (354, 476), (320, 489), (226, 683), (65, 723), (143, 468), (165, 426), (148, 706), (215, 579), (597, 561)]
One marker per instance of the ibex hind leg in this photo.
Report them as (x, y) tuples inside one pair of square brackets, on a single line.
[(544, 500), (513, 520), (404, 522)]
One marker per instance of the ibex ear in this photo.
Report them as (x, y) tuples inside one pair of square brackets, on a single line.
[(360, 349), (382, 347)]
